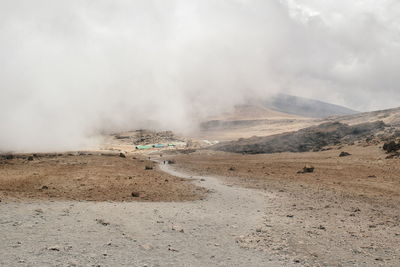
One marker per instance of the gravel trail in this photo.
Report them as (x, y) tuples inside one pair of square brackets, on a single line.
[(198, 233)]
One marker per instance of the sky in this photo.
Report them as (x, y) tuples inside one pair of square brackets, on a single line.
[(70, 70)]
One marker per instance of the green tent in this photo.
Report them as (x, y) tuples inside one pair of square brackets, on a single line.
[(141, 147)]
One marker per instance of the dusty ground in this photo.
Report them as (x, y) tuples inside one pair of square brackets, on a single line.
[(344, 213), (246, 210), (192, 233), (92, 177)]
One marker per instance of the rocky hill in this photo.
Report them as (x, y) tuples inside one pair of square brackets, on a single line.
[(309, 139)]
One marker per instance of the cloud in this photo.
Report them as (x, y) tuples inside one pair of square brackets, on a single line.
[(75, 68)]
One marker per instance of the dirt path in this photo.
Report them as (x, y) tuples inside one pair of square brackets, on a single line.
[(198, 233)]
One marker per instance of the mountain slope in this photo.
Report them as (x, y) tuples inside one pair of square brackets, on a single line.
[(305, 107), (308, 139)]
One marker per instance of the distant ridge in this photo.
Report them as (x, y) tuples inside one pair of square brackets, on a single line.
[(305, 107)]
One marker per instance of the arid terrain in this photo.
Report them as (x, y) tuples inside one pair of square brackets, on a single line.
[(91, 177), (330, 197), (346, 212)]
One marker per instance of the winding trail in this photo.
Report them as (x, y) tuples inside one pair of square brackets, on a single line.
[(198, 233)]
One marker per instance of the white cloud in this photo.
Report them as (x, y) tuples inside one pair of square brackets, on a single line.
[(72, 68)]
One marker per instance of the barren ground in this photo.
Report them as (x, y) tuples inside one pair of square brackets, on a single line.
[(91, 176), (209, 209), (344, 213)]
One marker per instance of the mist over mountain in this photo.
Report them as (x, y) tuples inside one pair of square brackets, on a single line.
[(305, 107)]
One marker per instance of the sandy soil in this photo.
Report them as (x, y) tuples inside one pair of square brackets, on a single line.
[(91, 176), (344, 213)]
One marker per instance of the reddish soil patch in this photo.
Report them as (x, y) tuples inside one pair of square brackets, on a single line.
[(90, 177)]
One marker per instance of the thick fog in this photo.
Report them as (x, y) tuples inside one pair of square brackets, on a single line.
[(70, 70)]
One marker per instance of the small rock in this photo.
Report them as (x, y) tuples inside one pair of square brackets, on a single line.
[(172, 249), (102, 222), (30, 158), (391, 147), (54, 248), (232, 169), (344, 154), (38, 211), (45, 187), (307, 169), (122, 155), (148, 167), (135, 194), (177, 228)]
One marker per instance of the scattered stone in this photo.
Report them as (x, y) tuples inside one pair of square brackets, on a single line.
[(314, 138), (344, 154), (45, 187), (148, 167), (232, 169), (202, 179), (393, 155), (38, 211), (122, 155), (172, 249), (321, 227), (307, 169), (171, 161), (177, 228), (290, 216), (391, 146), (30, 158), (371, 176), (102, 222)]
